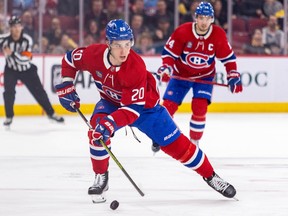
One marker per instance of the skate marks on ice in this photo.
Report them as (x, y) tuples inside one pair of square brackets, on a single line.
[(45, 170), (58, 186)]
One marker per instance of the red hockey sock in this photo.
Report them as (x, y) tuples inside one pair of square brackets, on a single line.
[(170, 106), (189, 155), (198, 118), (100, 166), (197, 125)]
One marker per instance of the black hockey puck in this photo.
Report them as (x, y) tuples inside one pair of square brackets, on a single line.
[(114, 204)]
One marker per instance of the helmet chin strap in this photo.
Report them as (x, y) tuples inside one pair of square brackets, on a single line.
[(109, 50), (110, 55), (132, 42), (109, 47)]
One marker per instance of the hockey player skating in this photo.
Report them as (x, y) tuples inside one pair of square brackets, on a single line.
[(129, 96), (190, 52), (17, 48)]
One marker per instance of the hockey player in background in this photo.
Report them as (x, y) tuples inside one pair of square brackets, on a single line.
[(129, 96), (17, 49), (190, 52)]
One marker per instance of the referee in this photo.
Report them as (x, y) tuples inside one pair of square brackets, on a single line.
[(17, 48)]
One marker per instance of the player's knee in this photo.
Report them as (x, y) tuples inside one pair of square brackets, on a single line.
[(180, 149), (9, 93), (170, 106)]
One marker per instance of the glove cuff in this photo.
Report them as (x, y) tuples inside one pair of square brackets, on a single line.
[(233, 74), (111, 125), (66, 89)]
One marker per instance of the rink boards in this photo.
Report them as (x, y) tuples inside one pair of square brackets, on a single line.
[(264, 81)]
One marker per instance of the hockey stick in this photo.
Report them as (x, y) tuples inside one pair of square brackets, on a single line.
[(199, 81), (111, 154), (195, 80)]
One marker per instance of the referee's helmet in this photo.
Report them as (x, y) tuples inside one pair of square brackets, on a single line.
[(14, 20)]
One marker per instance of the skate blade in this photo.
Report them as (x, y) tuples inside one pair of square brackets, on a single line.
[(98, 198), (55, 122), (235, 198), (155, 152), (7, 127)]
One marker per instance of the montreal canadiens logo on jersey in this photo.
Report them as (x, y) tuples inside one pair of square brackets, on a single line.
[(112, 94), (198, 60)]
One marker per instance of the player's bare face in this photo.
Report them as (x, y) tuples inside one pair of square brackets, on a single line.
[(16, 31), (119, 51), (203, 23)]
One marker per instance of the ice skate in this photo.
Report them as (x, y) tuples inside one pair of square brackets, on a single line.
[(7, 123), (155, 147), (56, 118), (221, 186), (99, 187)]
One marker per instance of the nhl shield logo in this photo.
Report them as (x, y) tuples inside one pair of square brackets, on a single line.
[(99, 74)]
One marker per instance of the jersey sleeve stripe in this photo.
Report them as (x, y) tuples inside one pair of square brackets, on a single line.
[(167, 53), (141, 103), (68, 59), (230, 58), (130, 110), (99, 87)]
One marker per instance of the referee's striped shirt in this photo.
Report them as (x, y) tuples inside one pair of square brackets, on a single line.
[(16, 61)]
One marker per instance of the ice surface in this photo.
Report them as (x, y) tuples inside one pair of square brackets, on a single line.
[(45, 169)]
